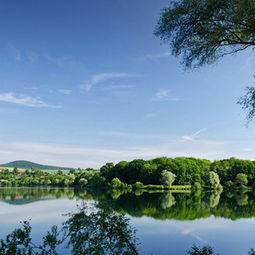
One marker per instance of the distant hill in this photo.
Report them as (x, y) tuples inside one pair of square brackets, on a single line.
[(28, 165)]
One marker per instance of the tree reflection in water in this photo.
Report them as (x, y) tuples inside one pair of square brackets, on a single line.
[(92, 231), (100, 231), (103, 227)]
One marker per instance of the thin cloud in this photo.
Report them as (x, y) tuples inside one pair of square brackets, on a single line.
[(106, 154), (150, 115), (194, 136), (102, 77), (135, 135), (86, 156), (25, 100), (154, 56), (164, 95), (15, 53), (32, 57), (65, 91), (118, 87), (62, 61), (248, 149)]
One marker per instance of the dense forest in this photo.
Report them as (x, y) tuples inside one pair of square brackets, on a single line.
[(184, 171), (158, 173)]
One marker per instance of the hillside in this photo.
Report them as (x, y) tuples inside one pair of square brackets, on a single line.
[(28, 165)]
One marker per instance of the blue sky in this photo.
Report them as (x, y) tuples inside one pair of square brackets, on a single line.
[(87, 82)]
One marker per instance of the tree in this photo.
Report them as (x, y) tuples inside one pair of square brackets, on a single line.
[(248, 103), (196, 250), (228, 185), (66, 182), (202, 31), (116, 183), (241, 179), (47, 182), (167, 178), (83, 182), (100, 231), (167, 200), (15, 170), (59, 172), (138, 185), (106, 170), (212, 179), (242, 199)]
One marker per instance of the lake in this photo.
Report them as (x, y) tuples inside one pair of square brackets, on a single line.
[(166, 223)]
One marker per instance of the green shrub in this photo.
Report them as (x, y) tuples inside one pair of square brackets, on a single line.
[(138, 185)]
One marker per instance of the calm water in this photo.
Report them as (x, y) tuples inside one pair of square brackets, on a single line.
[(166, 223)]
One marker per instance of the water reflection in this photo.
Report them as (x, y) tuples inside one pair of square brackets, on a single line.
[(92, 231), (163, 205), (174, 221)]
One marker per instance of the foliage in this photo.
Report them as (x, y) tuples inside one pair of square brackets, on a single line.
[(167, 178), (19, 242), (116, 183), (197, 186), (229, 185), (241, 179), (167, 200), (248, 102), (208, 250), (165, 205), (187, 170), (36, 177), (251, 252), (138, 185), (98, 232), (212, 179), (202, 31), (83, 182), (227, 169), (196, 250), (145, 174)]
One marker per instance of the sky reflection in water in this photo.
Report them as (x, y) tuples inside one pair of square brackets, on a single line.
[(157, 236)]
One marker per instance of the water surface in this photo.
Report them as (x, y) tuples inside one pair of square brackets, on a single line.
[(166, 223)]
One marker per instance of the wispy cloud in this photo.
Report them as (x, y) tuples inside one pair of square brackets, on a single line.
[(150, 115), (15, 53), (29, 56), (65, 91), (135, 135), (25, 100), (95, 156), (147, 146), (153, 56), (164, 95), (32, 57), (248, 149), (118, 87), (62, 61), (194, 136), (103, 77)]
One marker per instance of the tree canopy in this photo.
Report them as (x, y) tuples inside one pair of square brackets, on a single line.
[(202, 31)]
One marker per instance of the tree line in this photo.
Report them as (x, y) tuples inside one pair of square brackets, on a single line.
[(231, 173), (159, 173)]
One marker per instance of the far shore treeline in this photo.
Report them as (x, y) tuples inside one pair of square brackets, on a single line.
[(159, 173)]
